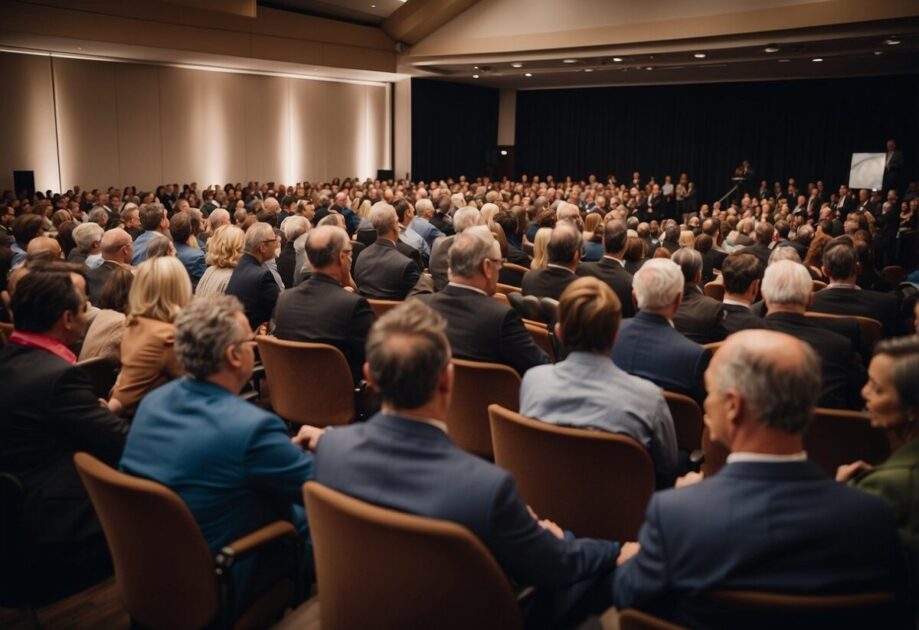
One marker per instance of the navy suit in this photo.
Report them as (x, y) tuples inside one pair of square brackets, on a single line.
[(776, 527), (414, 467), (256, 288), (649, 347)]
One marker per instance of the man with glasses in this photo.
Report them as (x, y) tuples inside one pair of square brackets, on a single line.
[(252, 282), (479, 327), (325, 308)]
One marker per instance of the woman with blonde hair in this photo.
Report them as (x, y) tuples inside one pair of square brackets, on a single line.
[(161, 289), (540, 248), (224, 249)]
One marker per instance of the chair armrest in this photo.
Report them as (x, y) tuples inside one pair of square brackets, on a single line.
[(242, 547)]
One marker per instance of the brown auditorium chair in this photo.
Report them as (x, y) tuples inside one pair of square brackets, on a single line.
[(836, 436), (894, 274), (527, 306), (713, 346), (379, 568), (687, 420), (166, 575), (502, 297), (507, 289), (541, 335), (871, 329), (714, 454), (753, 610), (514, 271), (594, 483), (310, 383), (631, 619), (381, 307), (714, 290), (102, 373), (477, 385), (817, 285)]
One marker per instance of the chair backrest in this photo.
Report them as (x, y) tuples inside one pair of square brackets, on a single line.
[(750, 609), (163, 567), (816, 285), (527, 306), (379, 568), (507, 289), (871, 329), (714, 454), (835, 437), (713, 346), (367, 236), (476, 385), (714, 290), (687, 420), (631, 619), (102, 373), (310, 383), (512, 272), (894, 274), (540, 334), (502, 297), (594, 483), (549, 309), (381, 307)]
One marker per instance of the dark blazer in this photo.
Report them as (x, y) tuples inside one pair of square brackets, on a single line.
[(76, 257), (96, 279), (848, 205), (759, 250), (481, 328), (835, 351), (548, 282), (50, 412), (798, 247), (618, 279), (319, 310), (383, 272), (413, 467), (760, 527), (287, 264), (700, 317), (740, 318), (440, 262), (255, 287), (649, 347), (843, 301)]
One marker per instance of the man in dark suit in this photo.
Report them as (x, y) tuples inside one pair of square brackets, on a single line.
[(671, 240), (769, 520), (648, 345), (320, 310), (439, 265), (892, 165), (50, 412), (844, 202), (564, 252), (403, 459), (699, 317), (293, 228), (382, 271), (116, 252), (787, 290), (763, 235), (252, 282), (782, 230), (741, 273), (479, 327), (610, 268), (843, 297)]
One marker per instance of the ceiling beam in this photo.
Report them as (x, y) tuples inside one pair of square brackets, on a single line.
[(416, 19)]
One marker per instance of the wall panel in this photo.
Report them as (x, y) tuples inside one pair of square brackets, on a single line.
[(140, 146)]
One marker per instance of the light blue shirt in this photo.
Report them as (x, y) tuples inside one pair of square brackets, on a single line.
[(588, 391), (141, 243), (427, 231), (411, 238)]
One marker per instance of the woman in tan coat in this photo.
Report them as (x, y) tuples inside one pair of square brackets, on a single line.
[(103, 338)]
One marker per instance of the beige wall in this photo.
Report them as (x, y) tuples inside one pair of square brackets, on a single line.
[(118, 124), (507, 117), (403, 127)]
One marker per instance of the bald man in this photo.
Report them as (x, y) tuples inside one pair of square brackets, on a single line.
[(116, 249), (325, 308), (43, 248), (769, 520)]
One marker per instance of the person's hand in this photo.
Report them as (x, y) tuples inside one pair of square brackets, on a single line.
[(114, 405), (307, 437), (845, 472), (552, 527), (628, 550), (689, 478)]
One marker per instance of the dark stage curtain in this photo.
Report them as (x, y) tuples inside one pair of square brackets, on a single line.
[(454, 126), (804, 129)]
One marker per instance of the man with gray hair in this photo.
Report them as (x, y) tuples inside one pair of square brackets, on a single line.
[(87, 236), (217, 219), (463, 219), (802, 533), (382, 271), (479, 327), (648, 345), (231, 462), (293, 227), (252, 281), (699, 317), (564, 251), (787, 290), (421, 222)]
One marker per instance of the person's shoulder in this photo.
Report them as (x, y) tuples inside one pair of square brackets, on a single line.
[(163, 331), (645, 389), (539, 374)]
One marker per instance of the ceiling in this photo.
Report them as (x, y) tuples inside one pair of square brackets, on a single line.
[(372, 12)]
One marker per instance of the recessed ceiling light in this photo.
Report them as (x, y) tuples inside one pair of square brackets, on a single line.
[(817, 59), (892, 41), (527, 74), (503, 151), (617, 59), (649, 68), (475, 67), (878, 53), (699, 55), (771, 49), (569, 60), (588, 69), (516, 65), (373, 6), (784, 60), (475, 76)]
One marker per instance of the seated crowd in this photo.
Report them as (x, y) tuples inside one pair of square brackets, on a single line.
[(759, 312)]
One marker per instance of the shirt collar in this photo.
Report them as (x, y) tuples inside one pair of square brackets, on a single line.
[(467, 287), (842, 285), (431, 421), (767, 458), (554, 266), (735, 302), (614, 259), (43, 342)]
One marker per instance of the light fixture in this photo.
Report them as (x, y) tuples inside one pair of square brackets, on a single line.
[(649, 68), (527, 74), (892, 41), (699, 55), (475, 76), (784, 60), (569, 60), (878, 53), (771, 49), (817, 59), (503, 151), (516, 65), (617, 59), (588, 69)]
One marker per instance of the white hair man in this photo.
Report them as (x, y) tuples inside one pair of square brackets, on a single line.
[(88, 237), (648, 345), (699, 317), (290, 260), (463, 219), (787, 290), (421, 222), (252, 281)]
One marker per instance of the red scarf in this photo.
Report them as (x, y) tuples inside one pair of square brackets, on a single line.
[(43, 342)]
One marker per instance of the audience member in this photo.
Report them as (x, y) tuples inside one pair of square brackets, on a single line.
[(463, 219), (611, 267), (116, 249), (564, 252), (699, 317), (742, 273), (293, 227), (382, 271), (187, 249), (25, 227), (88, 237), (224, 249), (105, 333), (154, 221), (252, 281)]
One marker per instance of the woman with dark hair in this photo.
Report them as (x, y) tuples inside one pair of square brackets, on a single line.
[(103, 338), (703, 244), (65, 237), (634, 256)]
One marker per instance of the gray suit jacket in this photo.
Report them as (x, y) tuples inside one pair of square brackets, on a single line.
[(440, 263)]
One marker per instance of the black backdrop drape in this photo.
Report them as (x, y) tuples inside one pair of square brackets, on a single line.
[(454, 126), (802, 129)]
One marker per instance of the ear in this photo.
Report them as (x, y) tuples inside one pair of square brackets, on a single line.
[(733, 408), (368, 376), (233, 356), (445, 382), (557, 329)]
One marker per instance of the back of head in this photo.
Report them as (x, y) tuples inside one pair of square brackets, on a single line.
[(657, 283), (218, 217), (205, 329), (180, 227), (26, 227), (256, 235), (840, 259), (383, 218), (690, 262), (589, 315), (161, 289), (787, 283), (225, 247), (567, 212), (113, 240), (114, 295), (470, 248), (86, 235), (672, 233), (293, 227), (407, 352), (465, 218), (565, 243), (615, 235), (324, 244), (41, 297), (764, 232), (151, 215), (784, 253), (740, 270)]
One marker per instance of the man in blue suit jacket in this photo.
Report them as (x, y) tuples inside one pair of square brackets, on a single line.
[(232, 463), (252, 282), (403, 459), (769, 520), (648, 345)]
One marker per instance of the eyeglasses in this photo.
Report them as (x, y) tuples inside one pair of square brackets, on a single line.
[(499, 262)]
